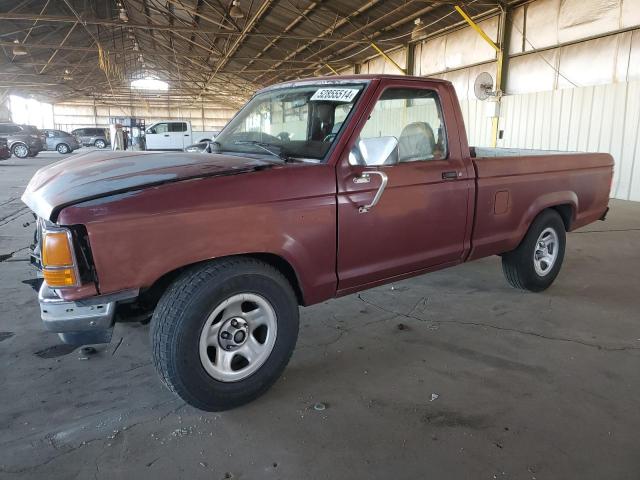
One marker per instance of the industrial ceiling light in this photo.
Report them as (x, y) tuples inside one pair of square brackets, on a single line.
[(235, 11), (149, 83), (123, 15), (416, 33), (19, 49), (135, 47), (67, 75)]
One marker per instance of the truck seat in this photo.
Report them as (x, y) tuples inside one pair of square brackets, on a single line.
[(416, 142)]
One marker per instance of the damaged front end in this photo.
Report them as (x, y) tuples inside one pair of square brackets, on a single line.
[(63, 259)]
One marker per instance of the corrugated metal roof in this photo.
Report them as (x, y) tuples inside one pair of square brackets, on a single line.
[(80, 48)]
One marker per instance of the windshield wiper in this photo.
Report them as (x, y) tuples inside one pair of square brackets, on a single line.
[(265, 146)]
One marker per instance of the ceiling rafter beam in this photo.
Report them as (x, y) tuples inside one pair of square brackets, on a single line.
[(177, 28), (329, 30)]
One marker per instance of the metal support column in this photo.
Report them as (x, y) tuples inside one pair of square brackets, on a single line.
[(501, 60), (411, 59)]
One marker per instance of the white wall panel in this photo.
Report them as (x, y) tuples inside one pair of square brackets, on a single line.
[(542, 24), (583, 18), (532, 73), (588, 63), (601, 118), (381, 65), (630, 13)]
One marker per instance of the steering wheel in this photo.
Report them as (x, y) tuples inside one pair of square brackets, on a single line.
[(284, 136)]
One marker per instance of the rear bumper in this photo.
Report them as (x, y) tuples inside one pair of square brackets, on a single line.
[(81, 322)]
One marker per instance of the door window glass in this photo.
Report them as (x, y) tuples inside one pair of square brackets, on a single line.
[(177, 127), (159, 128), (414, 118), (9, 129)]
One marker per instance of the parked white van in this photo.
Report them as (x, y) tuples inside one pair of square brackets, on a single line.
[(174, 135)]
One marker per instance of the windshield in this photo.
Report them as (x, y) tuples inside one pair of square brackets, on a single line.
[(297, 122)]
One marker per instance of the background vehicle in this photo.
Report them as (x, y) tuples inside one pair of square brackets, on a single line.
[(92, 136), (174, 135), (222, 248), (60, 141), (23, 140), (4, 149)]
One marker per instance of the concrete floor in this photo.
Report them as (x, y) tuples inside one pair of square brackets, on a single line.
[(451, 375)]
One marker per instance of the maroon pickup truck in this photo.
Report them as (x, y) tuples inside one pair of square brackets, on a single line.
[(316, 189)]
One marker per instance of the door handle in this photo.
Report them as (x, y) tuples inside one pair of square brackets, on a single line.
[(451, 175), (186, 134), (166, 134), (366, 178)]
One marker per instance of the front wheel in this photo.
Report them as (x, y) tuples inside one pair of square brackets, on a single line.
[(20, 150), (224, 331), (100, 143), (63, 148), (535, 264)]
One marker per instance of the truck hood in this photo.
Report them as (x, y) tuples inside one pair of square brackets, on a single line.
[(98, 174)]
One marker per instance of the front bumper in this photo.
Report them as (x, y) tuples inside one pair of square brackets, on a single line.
[(81, 322)]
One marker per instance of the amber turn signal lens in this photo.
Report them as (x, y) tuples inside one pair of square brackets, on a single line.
[(56, 250), (63, 277)]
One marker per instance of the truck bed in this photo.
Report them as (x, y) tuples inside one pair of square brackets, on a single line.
[(513, 185), (478, 152)]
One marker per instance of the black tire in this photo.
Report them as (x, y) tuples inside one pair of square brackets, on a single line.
[(519, 266), (63, 148), (100, 144), (20, 150), (182, 312)]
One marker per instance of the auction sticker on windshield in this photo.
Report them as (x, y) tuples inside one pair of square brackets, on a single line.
[(335, 94)]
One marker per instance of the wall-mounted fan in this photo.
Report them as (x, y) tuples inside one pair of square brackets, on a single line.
[(483, 86)]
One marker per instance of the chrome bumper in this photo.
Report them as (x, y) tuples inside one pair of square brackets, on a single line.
[(82, 322)]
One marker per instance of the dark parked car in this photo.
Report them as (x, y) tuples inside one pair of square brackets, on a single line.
[(95, 137), (60, 141), (4, 149), (23, 140)]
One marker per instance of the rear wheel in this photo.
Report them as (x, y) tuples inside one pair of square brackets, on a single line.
[(20, 150), (63, 148), (535, 264), (100, 143), (223, 332)]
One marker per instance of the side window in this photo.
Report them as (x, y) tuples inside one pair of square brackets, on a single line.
[(159, 128), (177, 127), (413, 117), (50, 133), (9, 129)]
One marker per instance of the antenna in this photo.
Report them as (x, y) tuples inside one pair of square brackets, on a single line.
[(483, 86)]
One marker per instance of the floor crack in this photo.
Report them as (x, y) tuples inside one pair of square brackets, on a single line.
[(505, 329)]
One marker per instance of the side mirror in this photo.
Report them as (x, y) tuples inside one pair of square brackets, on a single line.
[(376, 151)]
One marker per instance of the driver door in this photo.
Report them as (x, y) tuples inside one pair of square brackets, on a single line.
[(422, 215), (157, 137)]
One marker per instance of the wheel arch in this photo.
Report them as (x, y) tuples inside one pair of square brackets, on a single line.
[(565, 203), (567, 212), (17, 144), (150, 296)]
